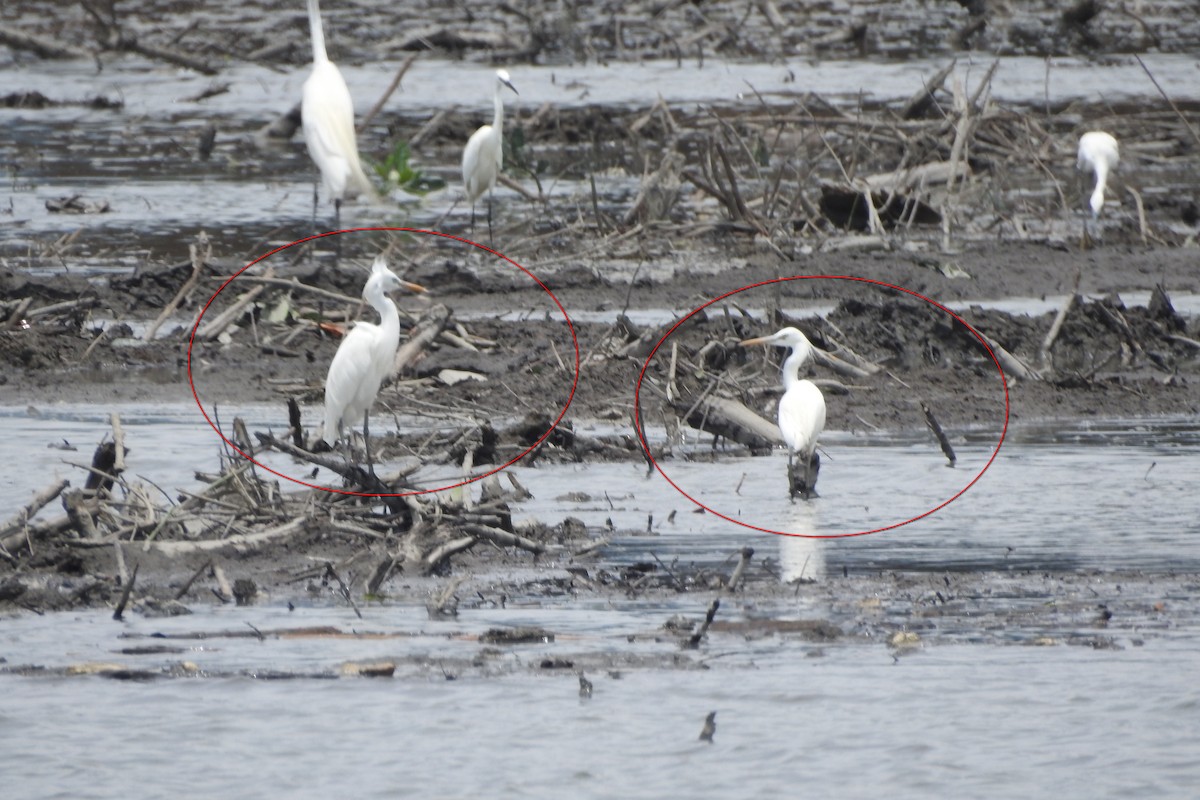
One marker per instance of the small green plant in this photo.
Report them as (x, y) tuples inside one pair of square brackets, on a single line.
[(397, 173)]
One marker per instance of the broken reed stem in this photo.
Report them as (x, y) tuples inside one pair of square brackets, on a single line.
[(200, 252), (943, 440), (1056, 326), (1170, 102), (375, 109), (740, 570), (694, 640)]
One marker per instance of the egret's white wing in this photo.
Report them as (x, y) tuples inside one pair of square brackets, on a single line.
[(349, 372), (327, 115), (802, 416), (478, 173)]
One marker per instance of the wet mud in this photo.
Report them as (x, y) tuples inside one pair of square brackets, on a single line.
[(700, 203)]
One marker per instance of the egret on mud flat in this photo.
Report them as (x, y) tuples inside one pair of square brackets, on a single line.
[(1098, 151), (801, 409), (327, 115), (364, 357), (484, 154)]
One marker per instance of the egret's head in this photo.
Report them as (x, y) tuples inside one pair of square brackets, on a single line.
[(502, 75), (386, 280), (787, 337)]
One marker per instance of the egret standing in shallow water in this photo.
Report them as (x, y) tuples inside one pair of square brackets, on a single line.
[(364, 358), (484, 153), (801, 409), (1098, 151), (327, 115)]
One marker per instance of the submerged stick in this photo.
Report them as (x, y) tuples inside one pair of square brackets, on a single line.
[(119, 612), (694, 641), (943, 440), (740, 569)]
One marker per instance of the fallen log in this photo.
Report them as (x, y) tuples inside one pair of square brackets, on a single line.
[(722, 416)]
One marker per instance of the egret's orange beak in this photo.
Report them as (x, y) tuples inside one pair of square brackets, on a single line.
[(413, 287), (758, 340)]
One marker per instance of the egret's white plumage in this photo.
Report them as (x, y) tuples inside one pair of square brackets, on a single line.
[(483, 156), (327, 115), (364, 357), (802, 407), (1099, 152)]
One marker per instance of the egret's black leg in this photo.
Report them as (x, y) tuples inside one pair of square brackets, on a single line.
[(491, 238), (791, 475), (314, 219), (367, 445)]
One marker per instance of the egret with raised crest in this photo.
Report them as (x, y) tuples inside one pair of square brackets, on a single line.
[(364, 358), (801, 409)]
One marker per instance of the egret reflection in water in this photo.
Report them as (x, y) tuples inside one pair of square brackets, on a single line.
[(801, 557)]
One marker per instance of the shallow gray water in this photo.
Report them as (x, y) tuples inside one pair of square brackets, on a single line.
[(951, 720), (956, 720), (1111, 494)]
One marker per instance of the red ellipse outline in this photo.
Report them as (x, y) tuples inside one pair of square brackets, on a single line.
[(563, 413), (646, 446)]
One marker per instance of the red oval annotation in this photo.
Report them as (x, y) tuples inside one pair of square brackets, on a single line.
[(501, 256), (650, 454)]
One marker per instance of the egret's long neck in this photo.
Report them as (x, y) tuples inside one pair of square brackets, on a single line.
[(498, 117), (791, 367), (318, 33), (389, 317), (1097, 200)]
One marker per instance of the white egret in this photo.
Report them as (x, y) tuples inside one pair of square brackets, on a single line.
[(364, 357), (801, 409), (327, 115), (1098, 151), (483, 156)]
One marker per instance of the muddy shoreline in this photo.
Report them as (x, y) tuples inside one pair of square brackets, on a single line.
[(667, 231)]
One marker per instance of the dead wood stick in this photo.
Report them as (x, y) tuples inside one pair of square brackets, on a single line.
[(66, 305), (214, 329), (740, 570), (1141, 210), (844, 366), (118, 444), (119, 611), (188, 583), (733, 420), (293, 283), (431, 125), (18, 314), (342, 588), (80, 513), (1056, 326), (131, 43), (431, 323), (375, 109), (1008, 362), (503, 538), (1170, 102), (22, 517), (122, 569), (1182, 340), (943, 440), (224, 591), (694, 641), (920, 102), (42, 46), (239, 542), (431, 561), (200, 252)]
